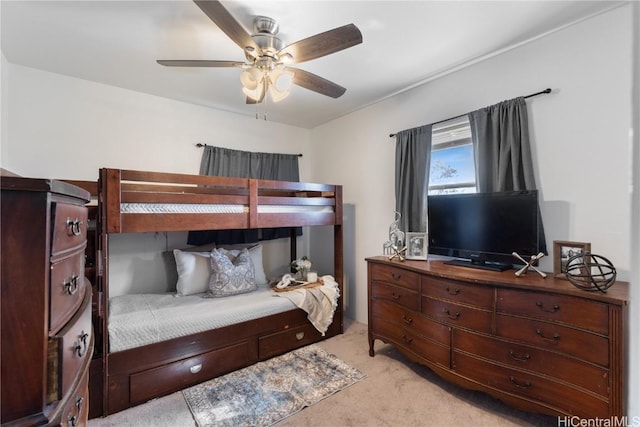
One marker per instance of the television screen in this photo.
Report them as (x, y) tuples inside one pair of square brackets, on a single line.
[(484, 229)]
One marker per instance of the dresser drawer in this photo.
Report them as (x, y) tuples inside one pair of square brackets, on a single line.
[(409, 340), (75, 346), (69, 227), (582, 374), (286, 340), (578, 312), (477, 295), (583, 345), (396, 294), (395, 276), (412, 321), (76, 410), (531, 386), (183, 373), (67, 289), (456, 314)]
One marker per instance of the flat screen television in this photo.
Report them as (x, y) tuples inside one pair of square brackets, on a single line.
[(483, 230)]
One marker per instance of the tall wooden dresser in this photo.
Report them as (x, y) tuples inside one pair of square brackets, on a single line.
[(542, 345), (46, 334)]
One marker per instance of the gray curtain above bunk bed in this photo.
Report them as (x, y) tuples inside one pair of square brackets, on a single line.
[(218, 161)]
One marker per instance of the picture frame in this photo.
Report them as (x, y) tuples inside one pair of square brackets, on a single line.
[(416, 245), (562, 251)]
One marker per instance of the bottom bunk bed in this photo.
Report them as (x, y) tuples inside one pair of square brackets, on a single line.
[(167, 356), (138, 374)]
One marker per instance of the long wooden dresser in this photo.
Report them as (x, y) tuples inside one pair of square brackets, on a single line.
[(46, 337), (541, 345)]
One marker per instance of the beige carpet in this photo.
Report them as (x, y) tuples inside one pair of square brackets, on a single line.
[(396, 392)]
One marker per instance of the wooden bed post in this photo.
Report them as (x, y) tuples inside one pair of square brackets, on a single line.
[(338, 260)]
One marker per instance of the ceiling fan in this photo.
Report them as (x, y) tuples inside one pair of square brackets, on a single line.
[(266, 67)]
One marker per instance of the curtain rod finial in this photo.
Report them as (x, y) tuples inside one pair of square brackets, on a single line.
[(200, 145)]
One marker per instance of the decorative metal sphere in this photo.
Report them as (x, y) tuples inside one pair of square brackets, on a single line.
[(591, 272)]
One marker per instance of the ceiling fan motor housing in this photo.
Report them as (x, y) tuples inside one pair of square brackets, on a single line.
[(265, 35)]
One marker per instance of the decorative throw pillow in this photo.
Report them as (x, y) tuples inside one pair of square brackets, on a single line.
[(193, 272), (255, 251), (231, 275)]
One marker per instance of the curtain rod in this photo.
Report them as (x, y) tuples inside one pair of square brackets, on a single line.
[(542, 92), (201, 145)]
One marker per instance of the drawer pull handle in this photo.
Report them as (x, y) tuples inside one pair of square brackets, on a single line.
[(72, 421), (299, 335), (522, 358), (396, 276), (195, 368), (407, 320), (406, 339), (395, 296), (74, 226), (71, 286), (526, 384), (553, 309), (451, 316), (456, 291), (79, 402), (554, 338), (80, 347)]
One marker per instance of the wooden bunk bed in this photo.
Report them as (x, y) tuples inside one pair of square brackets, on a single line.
[(126, 378)]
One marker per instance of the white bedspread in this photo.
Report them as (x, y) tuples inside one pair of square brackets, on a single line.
[(137, 320)]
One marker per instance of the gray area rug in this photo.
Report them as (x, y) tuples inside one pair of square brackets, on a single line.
[(269, 391)]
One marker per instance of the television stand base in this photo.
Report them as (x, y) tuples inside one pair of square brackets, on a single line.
[(492, 266)]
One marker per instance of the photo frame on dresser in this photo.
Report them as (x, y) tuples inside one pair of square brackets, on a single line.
[(562, 251), (416, 245)]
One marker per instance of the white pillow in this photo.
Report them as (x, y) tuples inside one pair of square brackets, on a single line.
[(193, 272), (255, 252)]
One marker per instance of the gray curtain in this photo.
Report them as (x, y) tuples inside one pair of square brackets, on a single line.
[(218, 161), (413, 157), (500, 135)]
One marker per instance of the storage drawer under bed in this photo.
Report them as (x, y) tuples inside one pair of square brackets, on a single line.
[(175, 376), (287, 340)]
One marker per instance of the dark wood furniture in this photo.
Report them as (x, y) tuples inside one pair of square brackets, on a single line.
[(541, 345), (136, 375), (47, 339)]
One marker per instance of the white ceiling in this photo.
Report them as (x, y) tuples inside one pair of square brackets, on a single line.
[(405, 43)]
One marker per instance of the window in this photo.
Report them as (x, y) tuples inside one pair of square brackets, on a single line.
[(452, 161)]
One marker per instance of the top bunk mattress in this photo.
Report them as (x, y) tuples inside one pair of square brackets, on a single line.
[(141, 319), (199, 208)]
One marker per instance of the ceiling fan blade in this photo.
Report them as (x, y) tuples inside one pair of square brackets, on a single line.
[(323, 44), (226, 22), (198, 63), (316, 83)]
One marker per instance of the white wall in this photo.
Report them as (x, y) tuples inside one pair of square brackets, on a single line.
[(65, 119)]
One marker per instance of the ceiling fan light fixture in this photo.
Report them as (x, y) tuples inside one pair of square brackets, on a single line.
[(285, 58), (280, 80), (251, 78), (255, 94), (277, 95), (279, 84)]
